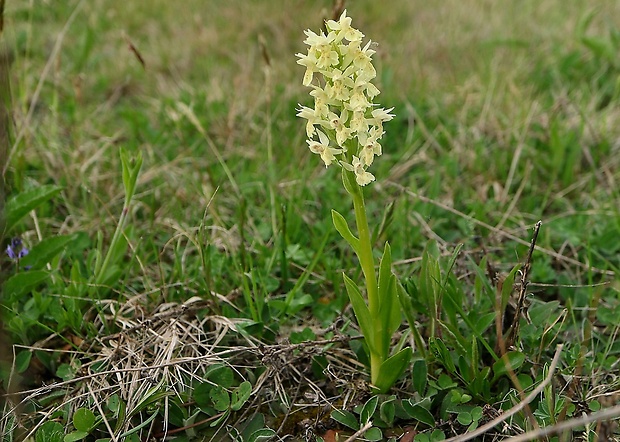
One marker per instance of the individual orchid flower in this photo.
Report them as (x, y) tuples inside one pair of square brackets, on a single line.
[(310, 115), (322, 148), (344, 29), (311, 67), (357, 167), (371, 146), (339, 125)]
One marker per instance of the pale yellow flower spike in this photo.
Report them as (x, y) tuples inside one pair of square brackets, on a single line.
[(339, 69)]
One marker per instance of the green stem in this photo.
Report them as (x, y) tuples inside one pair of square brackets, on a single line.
[(118, 233), (364, 254)]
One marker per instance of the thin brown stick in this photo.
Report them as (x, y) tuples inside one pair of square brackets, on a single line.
[(525, 273), (337, 9), (514, 410)]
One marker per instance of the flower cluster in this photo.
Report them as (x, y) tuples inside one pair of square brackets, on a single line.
[(345, 126)]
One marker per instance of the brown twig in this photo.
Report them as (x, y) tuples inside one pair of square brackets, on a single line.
[(338, 9), (525, 273)]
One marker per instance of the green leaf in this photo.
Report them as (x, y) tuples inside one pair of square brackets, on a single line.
[(373, 434), (65, 372), (83, 419), (220, 398), (264, 434), (406, 305), (445, 382), (19, 206), (442, 353), (385, 269), (131, 170), (75, 436), (343, 228), (117, 252), (387, 411), (430, 276), (221, 418), (437, 436), (418, 413), (176, 414), (369, 409), (419, 375), (50, 431), (114, 403), (141, 425), (251, 425), (391, 369), (201, 394), (543, 313), (303, 336), (22, 361), (476, 413), (483, 322), (46, 250), (361, 312), (345, 418), (508, 286), (515, 360), (389, 306), (22, 283), (221, 375), (350, 185), (466, 370), (240, 395), (464, 418)]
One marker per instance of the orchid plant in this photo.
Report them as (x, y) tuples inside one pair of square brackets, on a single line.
[(344, 128)]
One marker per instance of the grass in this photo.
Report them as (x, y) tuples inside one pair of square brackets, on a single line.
[(222, 312)]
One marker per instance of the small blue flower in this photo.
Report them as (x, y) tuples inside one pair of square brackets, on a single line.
[(16, 250)]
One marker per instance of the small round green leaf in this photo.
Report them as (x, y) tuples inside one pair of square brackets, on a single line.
[(437, 435), (65, 372), (464, 418), (114, 403), (220, 398), (83, 419), (221, 375), (476, 413)]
